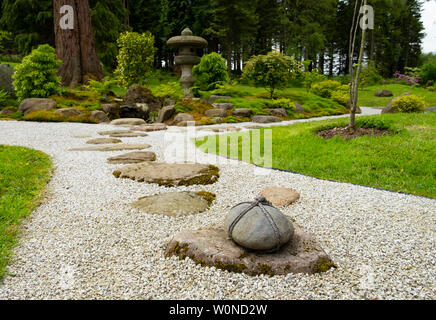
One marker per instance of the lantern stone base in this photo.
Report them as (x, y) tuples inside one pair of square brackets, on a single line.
[(213, 248)]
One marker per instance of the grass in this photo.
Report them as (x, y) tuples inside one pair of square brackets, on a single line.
[(404, 161), (367, 99), (23, 175)]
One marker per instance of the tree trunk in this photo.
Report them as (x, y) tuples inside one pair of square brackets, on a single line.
[(76, 46)]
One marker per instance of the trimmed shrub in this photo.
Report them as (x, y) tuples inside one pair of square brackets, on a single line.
[(36, 76), (211, 71), (325, 88), (135, 58), (408, 104)]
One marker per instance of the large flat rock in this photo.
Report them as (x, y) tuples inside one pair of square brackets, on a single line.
[(174, 204), (128, 122), (133, 157), (103, 141), (170, 174), (151, 127), (213, 248), (117, 147), (280, 196)]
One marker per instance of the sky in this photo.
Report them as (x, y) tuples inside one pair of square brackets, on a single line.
[(429, 19)]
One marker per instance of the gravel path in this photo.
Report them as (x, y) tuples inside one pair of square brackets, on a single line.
[(86, 242)]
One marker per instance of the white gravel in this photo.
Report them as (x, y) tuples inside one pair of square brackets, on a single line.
[(86, 242)]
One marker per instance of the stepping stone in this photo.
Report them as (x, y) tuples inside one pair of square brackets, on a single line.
[(128, 122), (151, 127), (117, 147), (280, 196), (103, 141), (253, 127), (170, 174), (224, 129), (81, 136), (133, 157), (265, 119), (108, 133), (128, 135), (213, 248), (174, 204)]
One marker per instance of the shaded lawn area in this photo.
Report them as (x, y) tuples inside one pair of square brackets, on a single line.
[(24, 174), (403, 161), (367, 99)]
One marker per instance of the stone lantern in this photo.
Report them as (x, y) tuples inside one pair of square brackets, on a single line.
[(187, 44)]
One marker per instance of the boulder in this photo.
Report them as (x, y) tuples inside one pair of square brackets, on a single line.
[(68, 112), (170, 174), (215, 113), (139, 94), (6, 73), (298, 108), (383, 93), (103, 141), (389, 107), (116, 147), (213, 248), (278, 112), (165, 114), (213, 98), (223, 106), (150, 127), (99, 116), (128, 122), (181, 117), (262, 227), (280, 196), (36, 104), (174, 204), (242, 112), (8, 111), (112, 110), (139, 111), (133, 157), (265, 119)]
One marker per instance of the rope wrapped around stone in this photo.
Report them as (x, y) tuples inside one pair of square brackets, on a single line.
[(260, 202)]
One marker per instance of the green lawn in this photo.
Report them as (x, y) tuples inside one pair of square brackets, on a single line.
[(367, 99), (404, 161), (23, 175)]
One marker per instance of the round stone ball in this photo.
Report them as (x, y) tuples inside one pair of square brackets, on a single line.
[(255, 232)]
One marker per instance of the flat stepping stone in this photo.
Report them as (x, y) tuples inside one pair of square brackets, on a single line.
[(253, 127), (280, 196), (110, 132), (213, 248), (117, 147), (170, 174), (174, 204), (133, 157), (103, 141), (128, 122), (151, 127), (128, 135)]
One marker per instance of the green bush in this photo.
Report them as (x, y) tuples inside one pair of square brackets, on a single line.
[(428, 72), (211, 71), (408, 104), (3, 98), (135, 58), (370, 75), (325, 88), (341, 97), (271, 71), (102, 87), (36, 76), (312, 77), (170, 90), (432, 88)]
